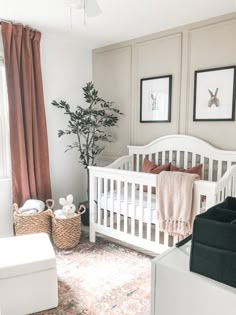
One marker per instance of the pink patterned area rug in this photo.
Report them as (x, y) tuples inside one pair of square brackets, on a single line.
[(103, 279)]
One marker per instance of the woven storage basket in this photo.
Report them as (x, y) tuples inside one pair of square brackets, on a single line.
[(66, 232), (35, 223)]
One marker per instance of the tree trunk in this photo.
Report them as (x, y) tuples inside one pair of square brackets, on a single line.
[(87, 183)]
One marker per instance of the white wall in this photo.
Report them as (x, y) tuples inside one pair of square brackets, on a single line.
[(66, 67), (6, 218)]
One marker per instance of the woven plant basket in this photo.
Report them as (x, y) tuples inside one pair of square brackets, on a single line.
[(66, 232), (35, 223)]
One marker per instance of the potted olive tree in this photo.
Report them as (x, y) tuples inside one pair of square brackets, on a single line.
[(89, 125)]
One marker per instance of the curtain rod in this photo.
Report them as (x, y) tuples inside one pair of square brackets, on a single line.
[(2, 20), (14, 22)]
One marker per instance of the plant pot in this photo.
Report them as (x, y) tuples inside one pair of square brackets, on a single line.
[(85, 216)]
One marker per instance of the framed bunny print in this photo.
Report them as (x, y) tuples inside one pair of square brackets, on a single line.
[(155, 99), (214, 94)]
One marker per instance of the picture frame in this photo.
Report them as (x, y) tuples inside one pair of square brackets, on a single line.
[(155, 99), (214, 94)]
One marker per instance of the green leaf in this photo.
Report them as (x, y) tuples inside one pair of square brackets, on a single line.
[(89, 124)]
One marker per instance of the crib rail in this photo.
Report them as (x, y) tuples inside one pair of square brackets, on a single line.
[(185, 151), (123, 206), (215, 192), (212, 169), (204, 195), (226, 186), (123, 163)]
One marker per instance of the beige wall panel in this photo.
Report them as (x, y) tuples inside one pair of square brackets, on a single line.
[(119, 68), (112, 77), (155, 58), (209, 47)]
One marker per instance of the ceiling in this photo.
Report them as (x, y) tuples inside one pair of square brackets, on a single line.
[(120, 20)]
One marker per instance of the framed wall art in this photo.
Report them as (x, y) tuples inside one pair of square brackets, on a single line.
[(214, 94), (155, 99)]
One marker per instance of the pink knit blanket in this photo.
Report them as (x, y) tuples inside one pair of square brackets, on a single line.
[(175, 198)]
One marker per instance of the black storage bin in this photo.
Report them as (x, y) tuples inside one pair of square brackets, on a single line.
[(213, 251)]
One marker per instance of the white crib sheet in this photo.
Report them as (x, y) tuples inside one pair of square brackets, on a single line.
[(139, 212)]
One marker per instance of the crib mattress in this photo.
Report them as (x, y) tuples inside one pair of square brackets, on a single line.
[(140, 212)]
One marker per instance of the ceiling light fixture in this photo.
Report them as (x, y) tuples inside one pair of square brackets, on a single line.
[(90, 7)]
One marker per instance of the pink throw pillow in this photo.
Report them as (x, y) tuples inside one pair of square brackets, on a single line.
[(150, 167), (192, 170)]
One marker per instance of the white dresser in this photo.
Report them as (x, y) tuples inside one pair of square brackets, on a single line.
[(177, 291)]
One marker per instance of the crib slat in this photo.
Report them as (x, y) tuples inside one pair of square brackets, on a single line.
[(149, 213), (229, 188), (118, 200), (99, 199), (225, 192), (178, 158), (126, 207), (218, 197), (210, 170), (185, 159), (203, 168), (166, 238), (128, 166), (134, 160), (142, 157), (163, 157), (221, 195), (194, 159), (137, 163), (133, 209), (141, 211), (233, 186), (219, 170), (170, 156), (157, 233), (105, 201), (112, 204), (229, 163), (176, 239), (156, 158)]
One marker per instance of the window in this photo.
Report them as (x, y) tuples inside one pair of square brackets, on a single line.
[(4, 125)]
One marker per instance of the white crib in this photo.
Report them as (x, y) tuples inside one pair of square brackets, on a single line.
[(121, 211)]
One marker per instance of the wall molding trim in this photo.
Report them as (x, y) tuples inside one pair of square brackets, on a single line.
[(178, 51)]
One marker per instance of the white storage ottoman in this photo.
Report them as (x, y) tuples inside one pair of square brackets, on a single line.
[(176, 290), (28, 277)]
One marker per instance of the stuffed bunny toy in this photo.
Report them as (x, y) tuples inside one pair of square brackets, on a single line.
[(68, 208)]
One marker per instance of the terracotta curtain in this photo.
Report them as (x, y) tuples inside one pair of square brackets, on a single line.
[(28, 131)]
